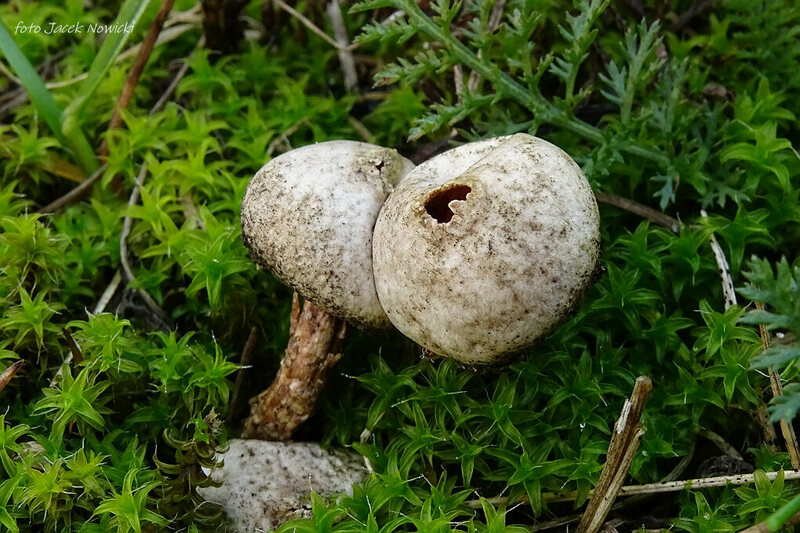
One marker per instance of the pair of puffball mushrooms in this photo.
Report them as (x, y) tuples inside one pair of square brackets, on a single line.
[(474, 254)]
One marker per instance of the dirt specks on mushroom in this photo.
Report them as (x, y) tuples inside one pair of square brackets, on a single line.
[(308, 216), (505, 242), (264, 484)]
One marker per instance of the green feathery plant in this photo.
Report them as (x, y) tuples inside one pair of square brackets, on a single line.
[(523, 87)]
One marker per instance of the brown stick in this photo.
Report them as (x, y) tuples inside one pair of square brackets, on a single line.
[(787, 430), (310, 356), (75, 193), (137, 68), (656, 217), (761, 416), (74, 349), (9, 372), (720, 442), (78, 192), (624, 443)]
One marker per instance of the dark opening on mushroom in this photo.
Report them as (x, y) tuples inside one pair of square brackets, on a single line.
[(438, 203)]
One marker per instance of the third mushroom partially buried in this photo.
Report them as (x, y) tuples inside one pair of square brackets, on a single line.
[(485, 248)]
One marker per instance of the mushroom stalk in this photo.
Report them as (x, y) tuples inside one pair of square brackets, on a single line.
[(312, 351), (308, 217)]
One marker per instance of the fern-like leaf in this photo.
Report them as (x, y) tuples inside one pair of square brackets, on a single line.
[(396, 31)]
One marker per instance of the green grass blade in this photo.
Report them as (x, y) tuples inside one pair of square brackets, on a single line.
[(44, 101), (129, 15), (782, 515), (38, 93)]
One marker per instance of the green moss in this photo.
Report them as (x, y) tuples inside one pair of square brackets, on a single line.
[(116, 439)]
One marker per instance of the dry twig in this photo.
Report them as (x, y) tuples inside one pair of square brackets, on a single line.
[(108, 293), (284, 136), (74, 194), (78, 192), (137, 68), (74, 349), (345, 52), (720, 443), (677, 486), (164, 98), (656, 217), (313, 27), (9, 372), (244, 364), (625, 439), (702, 483), (654, 488), (787, 430), (127, 223), (361, 129), (729, 293), (728, 290)]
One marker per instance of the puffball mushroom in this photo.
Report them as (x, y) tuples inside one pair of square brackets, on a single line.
[(484, 249), (264, 484), (308, 217)]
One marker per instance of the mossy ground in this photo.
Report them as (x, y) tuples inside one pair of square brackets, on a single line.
[(680, 116)]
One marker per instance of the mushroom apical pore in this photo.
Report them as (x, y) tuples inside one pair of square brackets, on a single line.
[(308, 216), (485, 248)]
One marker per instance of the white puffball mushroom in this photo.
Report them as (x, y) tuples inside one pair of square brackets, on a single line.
[(308, 216), (487, 247), (264, 484)]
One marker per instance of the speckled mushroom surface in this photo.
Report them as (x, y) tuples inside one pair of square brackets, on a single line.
[(308, 217), (485, 248), (265, 484)]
